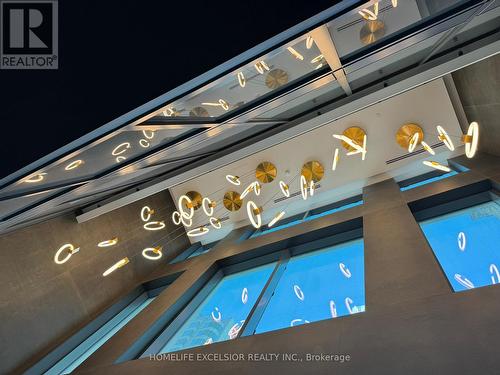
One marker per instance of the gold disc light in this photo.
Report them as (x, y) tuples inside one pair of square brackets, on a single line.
[(69, 249), (254, 214), (405, 135), (266, 172), (114, 267), (372, 31), (276, 78), (208, 206), (154, 225), (152, 253), (445, 138), (146, 213), (195, 198), (285, 189), (436, 165), (355, 137), (313, 170), (471, 139), (200, 231), (108, 243), (232, 201)]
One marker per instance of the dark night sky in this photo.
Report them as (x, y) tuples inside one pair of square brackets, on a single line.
[(116, 55)]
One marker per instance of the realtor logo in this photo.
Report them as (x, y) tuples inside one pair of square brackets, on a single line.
[(29, 35)]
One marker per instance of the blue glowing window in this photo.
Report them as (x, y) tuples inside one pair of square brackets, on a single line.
[(319, 285), (429, 180), (466, 243), (222, 313)]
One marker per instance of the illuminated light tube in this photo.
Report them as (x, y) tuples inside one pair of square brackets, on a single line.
[(254, 214), (317, 59), (303, 187), (335, 159), (298, 292), (285, 189), (464, 281), (150, 135), (157, 253), (189, 204), (200, 231), (223, 104), (294, 322), (394, 3), (427, 148), (319, 66), (348, 302), (295, 54), (413, 142), (443, 136), (259, 68), (235, 180), (108, 243), (257, 188), (216, 223), (241, 79), (144, 143), (168, 112), (494, 272), (120, 158), (276, 218), (120, 149), (186, 222), (244, 296), (146, 213), (436, 165), (248, 189), (462, 241), (74, 164), (219, 315), (311, 188), (309, 42), (264, 65), (175, 215), (471, 139), (114, 267), (333, 309), (154, 225), (36, 178), (69, 249), (345, 271), (208, 206)]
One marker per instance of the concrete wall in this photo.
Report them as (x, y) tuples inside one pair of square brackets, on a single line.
[(43, 303), (414, 323)]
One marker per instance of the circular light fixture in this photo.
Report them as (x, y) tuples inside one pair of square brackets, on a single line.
[(445, 138), (247, 190), (276, 218), (120, 158), (309, 42), (461, 241), (108, 243), (436, 165), (115, 266), (168, 112), (427, 148), (235, 180), (346, 272), (257, 188), (36, 178), (335, 159), (121, 148), (146, 213), (303, 187), (144, 143), (311, 188), (208, 206), (285, 189), (200, 231), (241, 79), (186, 222), (69, 249), (232, 201), (74, 164), (176, 217), (294, 53), (471, 139), (188, 204), (156, 253), (224, 104), (216, 223), (254, 214), (412, 144), (151, 133), (154, 225), (313, 170), (266, 172)]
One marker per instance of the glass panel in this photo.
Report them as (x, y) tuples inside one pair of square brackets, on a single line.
[(429, 180), (222, 313), (320, 285), (465, 243)]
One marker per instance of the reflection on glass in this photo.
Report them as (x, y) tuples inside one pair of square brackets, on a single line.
[(465, 243), (223, 312), (320, 285)]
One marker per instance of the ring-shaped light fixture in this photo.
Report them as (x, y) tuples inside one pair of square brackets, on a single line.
[(208, 206), (69, 249), (335, 159), (200, 231), (189, 203), (276, 218), (445, 138), (285, 189), (114, 267), (248, 189), (254, 214), (108, 243), (146, 213), (235, 180), (120, 149), (186, 222), (168, 112), (471, 139), (156, 251), (311, 188), (436, 165), (36, 178), (241, 79), (309, 42), (427, 148), (144, 143), (295, 54), (149, 135), (412, 144), (216, 223), (176, 217), (257, 188), (154, 225), (303, 186), (74, 164), (120, 158)]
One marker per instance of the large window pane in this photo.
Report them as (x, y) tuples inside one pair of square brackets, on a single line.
[(320, 285), (222, 313), (466, 244)]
